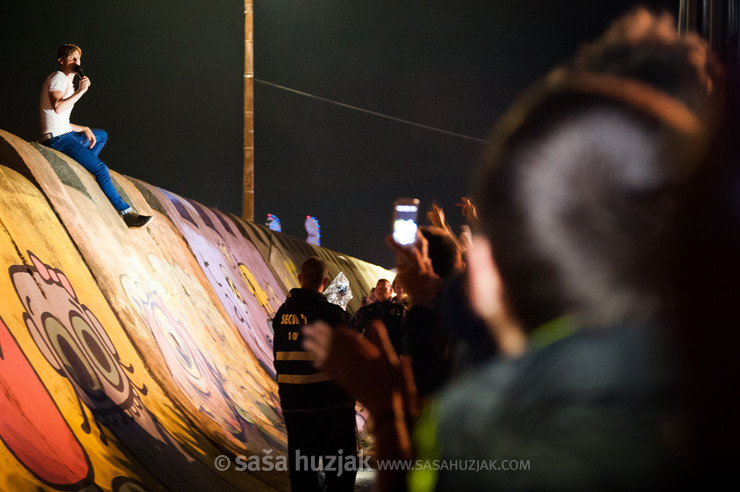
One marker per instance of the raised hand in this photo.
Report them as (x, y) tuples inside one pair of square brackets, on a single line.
[(468, 210), (436, 216), (415, 271), (366, 367)]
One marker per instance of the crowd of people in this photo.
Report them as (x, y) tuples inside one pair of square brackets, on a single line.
[(575, 327), (580, 327)]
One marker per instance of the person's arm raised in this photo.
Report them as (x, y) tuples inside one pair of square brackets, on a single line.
[(415, 271), (60, 103)]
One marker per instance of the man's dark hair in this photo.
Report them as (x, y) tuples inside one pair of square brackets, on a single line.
[(577, 198), (313, 272), (67, 49), (579, 187), (645, 46), (444, 250)]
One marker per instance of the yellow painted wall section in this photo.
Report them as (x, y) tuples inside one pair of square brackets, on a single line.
[(85, 407), (132, 359)]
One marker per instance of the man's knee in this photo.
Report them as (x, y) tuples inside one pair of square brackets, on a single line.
[(100, 135)]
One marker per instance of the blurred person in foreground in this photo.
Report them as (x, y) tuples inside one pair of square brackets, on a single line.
[(573, 271)]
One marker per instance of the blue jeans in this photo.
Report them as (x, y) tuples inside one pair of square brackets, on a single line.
[(77, 146)]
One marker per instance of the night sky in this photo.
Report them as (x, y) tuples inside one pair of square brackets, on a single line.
[(167, 82)]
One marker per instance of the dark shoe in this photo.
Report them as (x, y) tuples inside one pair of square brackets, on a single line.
[(132, 219)]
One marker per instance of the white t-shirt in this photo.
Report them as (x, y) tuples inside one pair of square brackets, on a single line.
[(51, 121)]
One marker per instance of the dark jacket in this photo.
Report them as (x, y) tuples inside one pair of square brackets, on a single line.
[(391, 313), (302, 387), (585, 412)]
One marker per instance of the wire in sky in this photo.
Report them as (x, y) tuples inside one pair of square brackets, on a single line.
[(367, 111)]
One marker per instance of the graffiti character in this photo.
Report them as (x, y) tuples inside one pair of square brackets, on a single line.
[(31, 425), (202, 383), (78, 347)]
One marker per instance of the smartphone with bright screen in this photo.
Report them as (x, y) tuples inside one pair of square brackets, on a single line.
[(404, 220)]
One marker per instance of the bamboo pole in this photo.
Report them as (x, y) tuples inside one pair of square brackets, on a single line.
[(248, 180)]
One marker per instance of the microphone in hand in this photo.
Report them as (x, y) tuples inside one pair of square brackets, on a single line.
[(78, 70)]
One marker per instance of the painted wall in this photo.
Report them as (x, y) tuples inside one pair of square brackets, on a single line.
[(130, 359)]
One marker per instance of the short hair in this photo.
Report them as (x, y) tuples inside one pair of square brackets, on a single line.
[(578, 189), (577, 197), (384, 280), (67, 49), (645, 45), (444, 250), (313, 272)]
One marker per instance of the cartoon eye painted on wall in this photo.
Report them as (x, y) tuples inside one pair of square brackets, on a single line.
[(188, 367), (177, 350), (100, 356), (88, 362), (74, 361)]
